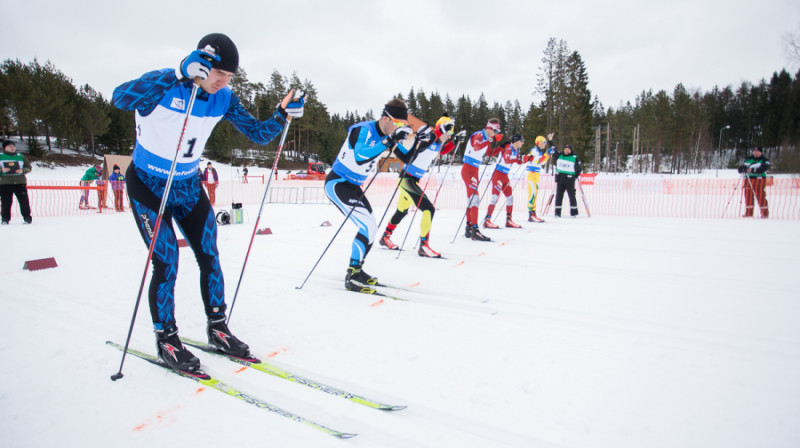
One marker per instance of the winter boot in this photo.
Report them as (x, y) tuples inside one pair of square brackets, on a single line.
[(387, 242), (533, 218), (360, 281), (488, 224), (221, 338), (477, 235), (512, 224), (172, 352), (426, 251)]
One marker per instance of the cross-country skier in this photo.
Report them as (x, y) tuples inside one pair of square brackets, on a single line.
[(485, 142), (432, 143), (535, 159), (568, 169), (500, 183), (365, 142), (160, 99)]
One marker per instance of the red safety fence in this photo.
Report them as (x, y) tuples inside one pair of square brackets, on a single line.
[(606, 195)]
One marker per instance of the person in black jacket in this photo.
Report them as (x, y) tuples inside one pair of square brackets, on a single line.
[(568, 168), (754, 170)]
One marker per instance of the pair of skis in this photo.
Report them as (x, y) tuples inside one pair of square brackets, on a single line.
[(207, 380)]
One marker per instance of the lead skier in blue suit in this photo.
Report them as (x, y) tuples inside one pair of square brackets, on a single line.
[(160, 99)]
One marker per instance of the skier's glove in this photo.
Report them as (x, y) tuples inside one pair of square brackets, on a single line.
[(198, 64), (292, 104), (461, 136), (498, 137), (397, 136), (426, 135), (742, 169)]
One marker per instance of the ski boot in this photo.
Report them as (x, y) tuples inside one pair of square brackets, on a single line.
[(533, 218), (488, 224), (477, 235), (386, 241), (468, 231), (359, 281), (426, 251), (512, 224), (172, 352), (221, 338)]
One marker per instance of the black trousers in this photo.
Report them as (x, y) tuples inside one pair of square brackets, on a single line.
[(567, 185), (7, 193)]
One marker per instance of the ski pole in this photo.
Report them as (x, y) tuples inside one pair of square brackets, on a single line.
[(413, 215), (399, 179), (157, 227), (444, 178), (583, 198), (480, 178), (735, 188), (455, 152), (516, 182), (297, 95), (363, 193)]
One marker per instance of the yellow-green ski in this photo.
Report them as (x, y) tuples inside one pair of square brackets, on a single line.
[(207, 380), (281, 373)]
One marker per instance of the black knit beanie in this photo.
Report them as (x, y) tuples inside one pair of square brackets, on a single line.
[(224, 48)]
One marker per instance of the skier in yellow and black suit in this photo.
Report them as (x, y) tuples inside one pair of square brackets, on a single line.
[(432, 143)]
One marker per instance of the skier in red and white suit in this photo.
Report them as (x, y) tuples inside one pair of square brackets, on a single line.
[(485, 142), (500, 182)]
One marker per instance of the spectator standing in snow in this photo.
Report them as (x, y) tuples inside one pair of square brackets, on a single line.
[(91, 175), (13, 168), (568, 168), (212, 180), (117, 181), (754, 170)]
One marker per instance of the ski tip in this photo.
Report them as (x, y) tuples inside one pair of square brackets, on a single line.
[(393, 408), (346, 435)]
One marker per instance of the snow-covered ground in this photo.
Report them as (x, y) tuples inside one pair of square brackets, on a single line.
[(602, 332)]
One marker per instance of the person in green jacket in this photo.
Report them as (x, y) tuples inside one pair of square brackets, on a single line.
[(91, 175), (568, 168), (13, 182), (754, 170)]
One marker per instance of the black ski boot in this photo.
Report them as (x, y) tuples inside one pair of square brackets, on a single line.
[(221, 338), (477, 235), (172, 352), (468, 231), (360, 281)]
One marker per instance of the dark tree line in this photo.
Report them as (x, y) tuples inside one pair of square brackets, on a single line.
[(660, 132)]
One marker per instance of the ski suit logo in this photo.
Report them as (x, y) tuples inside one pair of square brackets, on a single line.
[(177, 103)]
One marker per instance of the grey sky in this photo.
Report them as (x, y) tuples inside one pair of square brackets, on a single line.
[(360, 53)]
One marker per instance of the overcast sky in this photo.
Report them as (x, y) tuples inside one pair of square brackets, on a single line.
[(358, 54)]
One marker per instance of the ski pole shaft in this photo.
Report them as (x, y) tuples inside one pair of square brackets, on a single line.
[(516, 182), (480, 198), (363, 193), (583, 198), (258, 218), (157, 227), (444, 178), (413, 215)]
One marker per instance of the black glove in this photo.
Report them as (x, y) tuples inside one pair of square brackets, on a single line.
[(426, 135), (742, 169), (461, 137), (396, 137)]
